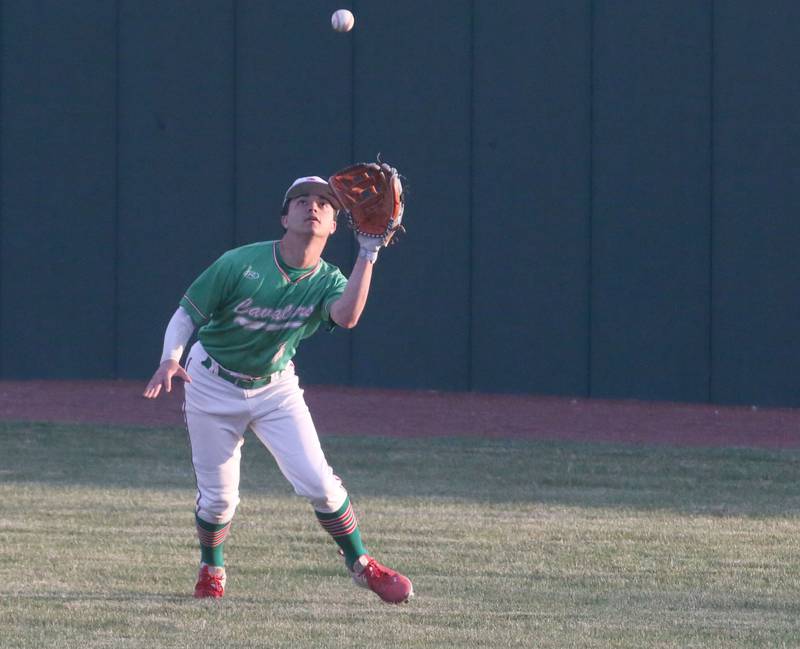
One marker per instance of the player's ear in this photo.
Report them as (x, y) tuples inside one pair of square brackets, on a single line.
[(333, 225), (284, 217)]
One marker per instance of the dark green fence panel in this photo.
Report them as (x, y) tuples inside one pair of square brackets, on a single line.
[(756, 216), (602, 196), (651, 197), (293, 97), (530, 195), (176, 162), (58, 182), (412, 104)]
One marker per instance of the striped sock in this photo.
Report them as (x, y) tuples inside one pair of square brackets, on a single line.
[(212, 541), (343, 527)]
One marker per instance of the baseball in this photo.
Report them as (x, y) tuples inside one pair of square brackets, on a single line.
[(343, 20)]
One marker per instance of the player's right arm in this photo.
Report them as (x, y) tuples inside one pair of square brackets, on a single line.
[(179, 331)]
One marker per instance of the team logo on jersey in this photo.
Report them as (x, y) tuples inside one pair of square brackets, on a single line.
[(251, 274)]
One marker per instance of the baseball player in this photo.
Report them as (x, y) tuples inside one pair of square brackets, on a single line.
[(253, 306)]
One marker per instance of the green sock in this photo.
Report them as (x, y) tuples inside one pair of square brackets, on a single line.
[(343, 527), (212, 541)]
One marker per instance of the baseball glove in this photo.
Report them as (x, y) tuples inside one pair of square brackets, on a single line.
[(372, 195)]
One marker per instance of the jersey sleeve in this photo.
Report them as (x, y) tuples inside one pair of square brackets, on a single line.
[(208, 291), (336, 288)]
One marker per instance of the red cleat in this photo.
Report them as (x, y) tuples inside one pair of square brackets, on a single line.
[(387, 584), (210, 582)]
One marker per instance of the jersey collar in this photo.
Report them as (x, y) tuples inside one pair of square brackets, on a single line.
[(280, 265)]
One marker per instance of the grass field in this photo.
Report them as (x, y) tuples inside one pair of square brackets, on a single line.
[(509, 543)]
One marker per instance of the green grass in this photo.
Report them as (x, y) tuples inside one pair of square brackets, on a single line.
[(509, 544)]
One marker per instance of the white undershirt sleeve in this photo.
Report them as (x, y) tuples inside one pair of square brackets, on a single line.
[(179, 330)]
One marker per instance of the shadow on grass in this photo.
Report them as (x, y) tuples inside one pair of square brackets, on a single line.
[(712, 481)]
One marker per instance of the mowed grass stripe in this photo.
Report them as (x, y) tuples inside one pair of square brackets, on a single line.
[(509, 543)]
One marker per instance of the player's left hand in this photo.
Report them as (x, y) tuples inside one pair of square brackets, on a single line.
[(372, 196), (163, 378), (370, 246), (370, 243)]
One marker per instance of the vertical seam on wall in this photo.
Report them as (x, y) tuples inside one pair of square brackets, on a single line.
[(471, 207), (710, 359), (590, 209), (2, 197), (235, 126), (115, 315), (351, 346)]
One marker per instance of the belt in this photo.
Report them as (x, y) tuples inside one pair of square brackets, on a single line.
[(247, 384)]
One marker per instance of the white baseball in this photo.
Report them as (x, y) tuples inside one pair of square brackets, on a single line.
[(343, 20)]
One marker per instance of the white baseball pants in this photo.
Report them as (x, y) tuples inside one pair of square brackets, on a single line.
[(217, 415)]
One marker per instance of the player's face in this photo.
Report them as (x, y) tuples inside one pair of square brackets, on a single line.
[(310, 214)]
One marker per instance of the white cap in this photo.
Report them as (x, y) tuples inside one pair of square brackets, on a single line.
[(311, 185)]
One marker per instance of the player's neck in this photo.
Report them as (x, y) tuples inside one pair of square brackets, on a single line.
[(299, 252)]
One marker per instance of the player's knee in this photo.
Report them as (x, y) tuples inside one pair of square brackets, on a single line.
[(327, 504), (217, 508), (327, 496)]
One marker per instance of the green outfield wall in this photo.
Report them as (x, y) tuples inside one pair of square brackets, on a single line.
[(602, 195)]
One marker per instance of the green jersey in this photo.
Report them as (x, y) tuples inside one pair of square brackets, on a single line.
[(253, 309)]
